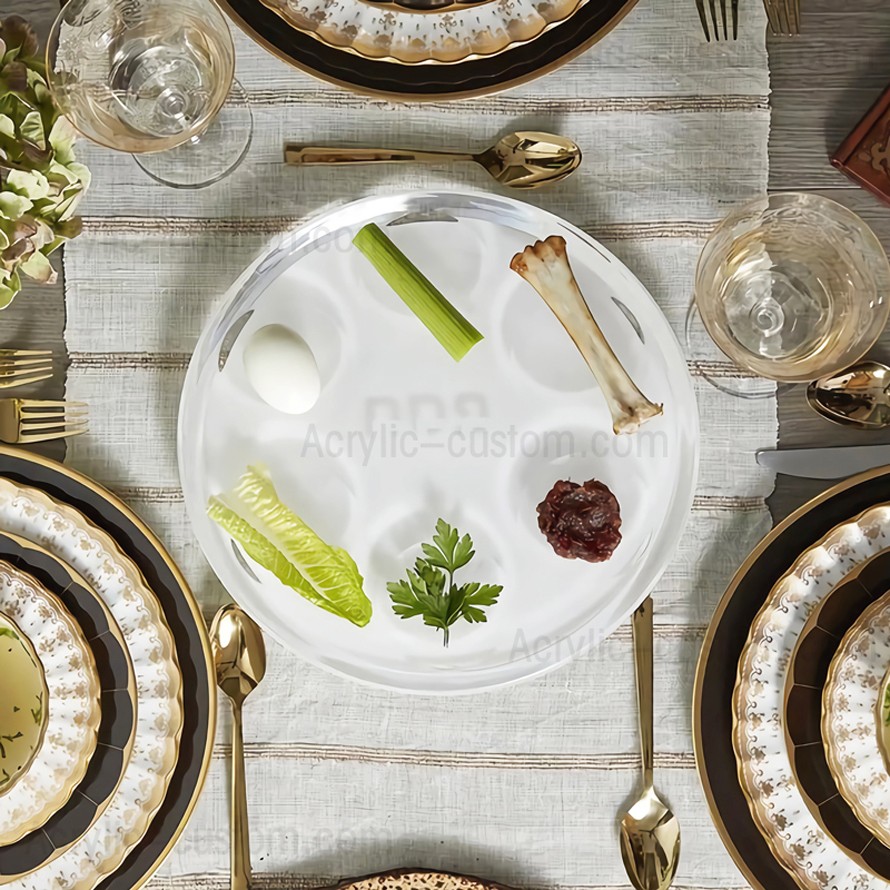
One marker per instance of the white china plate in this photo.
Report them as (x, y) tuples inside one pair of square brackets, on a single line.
[(767, 779), (68, 535), (495, 432), (73, 709), (388, 31), (852, 718)]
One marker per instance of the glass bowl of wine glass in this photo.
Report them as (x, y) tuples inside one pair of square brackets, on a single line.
[(155, 78), (793, 287)]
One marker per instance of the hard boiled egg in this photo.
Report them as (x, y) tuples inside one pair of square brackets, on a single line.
[(282, 370)]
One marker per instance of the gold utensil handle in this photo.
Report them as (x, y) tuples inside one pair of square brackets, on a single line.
[(299, 155), (240, 838), (643, 663)]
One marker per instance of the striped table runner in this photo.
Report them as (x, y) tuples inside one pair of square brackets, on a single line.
[(522, 785)]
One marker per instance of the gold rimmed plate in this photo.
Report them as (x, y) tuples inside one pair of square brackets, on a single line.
[(765, 773), (117, 726), (476, 75), (23, 699), (807, 675), (69, 706), (182, 616), (724, 641), (851, 717), (413, 33)]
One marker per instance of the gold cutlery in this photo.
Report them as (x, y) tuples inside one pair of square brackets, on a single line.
[(29, 421), (239, 655), (784, 17), (858, 397), (650, 832), (521, 160), (19, 367), (702, 14)]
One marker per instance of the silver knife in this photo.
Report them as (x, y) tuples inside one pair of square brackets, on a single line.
[(825, 463)]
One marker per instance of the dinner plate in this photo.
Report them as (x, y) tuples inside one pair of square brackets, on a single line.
[(725, 638), (418, 32), (391, 79), (851, 718), (117, 726), (807, 673), (402, 435), (183, 617), (23, 699), (72, 704), (764, 764), (67, 534)]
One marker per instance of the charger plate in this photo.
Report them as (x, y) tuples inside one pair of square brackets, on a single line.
[(807, 674), (724, 641), (182, 616), (764, 764), (403, 435), (117, 726), (474, 76)]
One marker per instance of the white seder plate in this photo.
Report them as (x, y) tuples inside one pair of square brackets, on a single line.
[(402, 435)]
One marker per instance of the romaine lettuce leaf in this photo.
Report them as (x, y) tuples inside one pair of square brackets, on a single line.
[(276, 538)]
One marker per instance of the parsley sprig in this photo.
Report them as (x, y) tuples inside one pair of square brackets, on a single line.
[(430, 590)]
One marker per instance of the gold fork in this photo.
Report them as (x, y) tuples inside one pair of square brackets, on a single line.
[(28, 421), (19, 367), (702, 14)]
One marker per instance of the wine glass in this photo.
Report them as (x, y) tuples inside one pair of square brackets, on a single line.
[(155, 78), (793, 287)]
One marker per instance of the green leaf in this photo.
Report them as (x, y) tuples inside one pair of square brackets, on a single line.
[(31, 129), (329, 570), (38, 267), (261, 551), (12, 206), (31, 184), (424, 593), (62, 137)]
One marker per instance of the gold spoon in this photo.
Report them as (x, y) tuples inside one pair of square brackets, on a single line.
[(858, 397), (650, 832), (239, 655), (521, 160)]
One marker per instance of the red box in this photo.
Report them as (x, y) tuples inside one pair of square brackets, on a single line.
[(865, 154)]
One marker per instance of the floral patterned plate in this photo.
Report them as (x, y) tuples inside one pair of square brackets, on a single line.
[(92, 553), (70, 707), (851, 718), (443, 32), (23, 698), (761, 748)]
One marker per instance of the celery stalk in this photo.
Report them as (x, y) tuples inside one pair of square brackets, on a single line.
[(419, 294)]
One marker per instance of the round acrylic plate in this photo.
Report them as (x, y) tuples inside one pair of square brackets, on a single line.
[(403, 435), (807, 673), (851, 716), (72, 702), (474, 76), (717, 669), (118, 704), (183, 617)]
